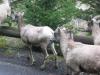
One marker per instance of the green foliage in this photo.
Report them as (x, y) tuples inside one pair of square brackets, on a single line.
[(71, 27), (0, 1), (95, 4), (46, 12)]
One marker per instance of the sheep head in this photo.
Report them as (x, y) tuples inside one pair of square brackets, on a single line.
[(68, 33), (96, 20), (16, 15)]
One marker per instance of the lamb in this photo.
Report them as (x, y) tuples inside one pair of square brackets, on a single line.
[(5, 10), (38, 36), (84, 58)]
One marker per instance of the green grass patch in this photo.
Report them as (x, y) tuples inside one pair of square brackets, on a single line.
[(2, 42)]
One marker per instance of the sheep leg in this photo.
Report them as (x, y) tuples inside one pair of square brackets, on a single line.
[(31, 55), (45, 60), (46, 55), (55, 54)]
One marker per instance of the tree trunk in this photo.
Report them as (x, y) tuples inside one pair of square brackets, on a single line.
[(13, 32), (9, 31), (84, 39)]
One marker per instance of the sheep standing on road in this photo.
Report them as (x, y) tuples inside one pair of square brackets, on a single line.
[(38, 36), (84, 58)]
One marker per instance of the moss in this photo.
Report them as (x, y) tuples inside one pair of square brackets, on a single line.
[(2, 42), (14, 42)]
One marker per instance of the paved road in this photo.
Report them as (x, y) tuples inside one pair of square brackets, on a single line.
[(20, 66), (12, 69)]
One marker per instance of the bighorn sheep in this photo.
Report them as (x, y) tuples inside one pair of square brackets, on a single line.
[(94, 25), (5, 10), (38, 36), (84, 58)]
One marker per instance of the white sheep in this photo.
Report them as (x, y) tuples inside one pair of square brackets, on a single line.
[(83, 58), (5, 10), (95, 27), (38, 36)]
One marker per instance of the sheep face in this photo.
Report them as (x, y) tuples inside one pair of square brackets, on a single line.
[(67, 31), (16, 15), (57, 33), (96, 20)]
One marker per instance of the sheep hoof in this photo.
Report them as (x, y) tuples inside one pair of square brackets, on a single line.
[(34, 63), (42, 67)]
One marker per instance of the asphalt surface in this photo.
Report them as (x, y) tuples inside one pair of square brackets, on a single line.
[(12, 69), (19, 65)]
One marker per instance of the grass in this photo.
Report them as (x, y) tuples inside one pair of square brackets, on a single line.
[(3, 42), (9, 46)]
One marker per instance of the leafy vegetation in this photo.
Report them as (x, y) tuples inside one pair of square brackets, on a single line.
[(94, 9), (46, 12), (53, 12)]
